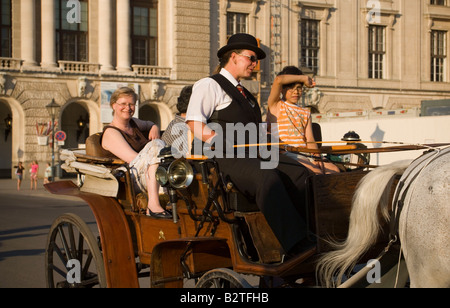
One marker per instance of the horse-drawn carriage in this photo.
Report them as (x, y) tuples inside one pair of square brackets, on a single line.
[(216, 238)]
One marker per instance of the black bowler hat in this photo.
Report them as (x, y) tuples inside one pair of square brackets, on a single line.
[(242, 41), (351, 136)]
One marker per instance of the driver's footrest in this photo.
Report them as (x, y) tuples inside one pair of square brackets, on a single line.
[(240, 203), (267, 245)]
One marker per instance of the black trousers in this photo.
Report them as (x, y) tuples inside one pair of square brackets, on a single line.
[(279, 193)]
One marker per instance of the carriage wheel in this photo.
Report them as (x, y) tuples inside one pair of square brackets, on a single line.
[(73, 258), (222, 278)]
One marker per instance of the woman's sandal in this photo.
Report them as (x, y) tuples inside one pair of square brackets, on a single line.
[(162, 215)]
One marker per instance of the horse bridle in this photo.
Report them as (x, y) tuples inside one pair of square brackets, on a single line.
[(404, 185)]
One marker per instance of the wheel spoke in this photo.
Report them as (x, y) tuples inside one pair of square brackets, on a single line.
[(72, 241), (80, 248), (64, 242), (87, 265), (59, 271), (62, 256), (90, 282)]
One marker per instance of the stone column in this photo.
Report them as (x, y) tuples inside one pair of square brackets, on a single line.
[(105, 46), (28, 32), (48, 39), (123, 36)]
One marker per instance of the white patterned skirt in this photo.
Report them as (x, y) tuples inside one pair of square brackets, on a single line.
[(146, 158)]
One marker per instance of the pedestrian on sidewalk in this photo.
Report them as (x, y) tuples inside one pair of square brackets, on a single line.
[(48, 176), (19, 174), (34, 172)]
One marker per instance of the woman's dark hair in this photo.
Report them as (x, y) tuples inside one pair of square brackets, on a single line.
[(290, 70), (183, 99)]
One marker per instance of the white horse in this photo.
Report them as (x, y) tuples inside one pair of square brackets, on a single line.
[(423, 225)]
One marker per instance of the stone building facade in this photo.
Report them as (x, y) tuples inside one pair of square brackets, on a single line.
[(364, 54), (76, 52)]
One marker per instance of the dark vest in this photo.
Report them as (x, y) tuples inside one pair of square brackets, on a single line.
[(239, 111)]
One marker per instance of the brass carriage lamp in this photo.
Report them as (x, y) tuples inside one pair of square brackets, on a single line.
[(8, 126), (52, 109)]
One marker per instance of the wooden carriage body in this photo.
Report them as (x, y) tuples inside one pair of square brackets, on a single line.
[(205, 237)]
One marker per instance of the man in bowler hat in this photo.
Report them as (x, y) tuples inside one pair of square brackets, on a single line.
[(220, 99)]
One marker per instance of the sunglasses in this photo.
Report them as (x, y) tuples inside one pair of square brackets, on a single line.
[(251, 58), (298, 89)]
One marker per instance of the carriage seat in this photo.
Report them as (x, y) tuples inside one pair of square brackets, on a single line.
[(94, 147)]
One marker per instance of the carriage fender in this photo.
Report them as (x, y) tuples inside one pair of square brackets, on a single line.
[(115, 235), (174, 260)]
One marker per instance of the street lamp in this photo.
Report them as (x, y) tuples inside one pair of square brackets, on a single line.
[(8, 126), (52, 109), (81, 124)]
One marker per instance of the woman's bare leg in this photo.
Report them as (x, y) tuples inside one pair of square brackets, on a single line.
[(153, 191)]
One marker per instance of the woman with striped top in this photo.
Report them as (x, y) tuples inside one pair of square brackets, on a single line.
[(292, 122)]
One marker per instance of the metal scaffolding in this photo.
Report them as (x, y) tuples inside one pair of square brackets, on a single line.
[(275, 39)]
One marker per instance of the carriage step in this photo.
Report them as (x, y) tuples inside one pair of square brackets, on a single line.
[(267, 245)]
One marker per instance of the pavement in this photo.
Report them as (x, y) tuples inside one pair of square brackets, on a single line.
[(25, 219), (8, 186)]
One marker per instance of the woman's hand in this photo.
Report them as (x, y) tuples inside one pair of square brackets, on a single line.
[(318, 161), (155, 133), (309, 82)]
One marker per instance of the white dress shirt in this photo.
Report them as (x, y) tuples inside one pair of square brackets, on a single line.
[(207, 97)]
